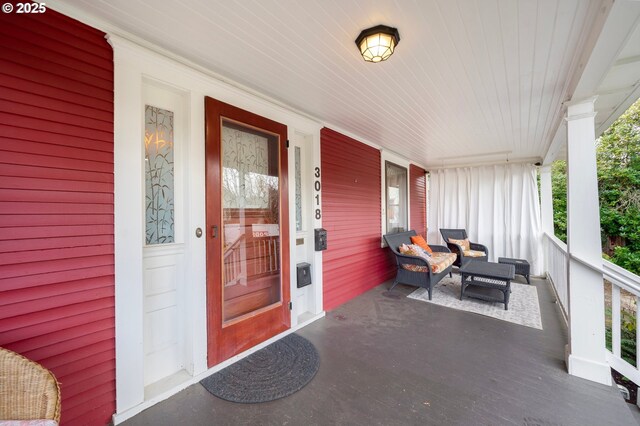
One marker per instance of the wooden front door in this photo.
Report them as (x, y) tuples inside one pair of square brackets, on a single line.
[(247, 230)]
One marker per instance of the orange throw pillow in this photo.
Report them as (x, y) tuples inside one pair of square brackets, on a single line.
[(419, 240)]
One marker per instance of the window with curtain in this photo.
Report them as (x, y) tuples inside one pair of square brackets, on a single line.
[(498, 205), (396, 197)]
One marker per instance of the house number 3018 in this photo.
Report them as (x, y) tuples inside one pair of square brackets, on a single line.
[(316, 186)]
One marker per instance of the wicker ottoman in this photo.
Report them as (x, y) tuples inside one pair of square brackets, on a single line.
[(522, 266)]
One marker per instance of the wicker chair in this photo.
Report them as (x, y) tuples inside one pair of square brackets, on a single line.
[(418, 279), (28, 391), (461, 234)]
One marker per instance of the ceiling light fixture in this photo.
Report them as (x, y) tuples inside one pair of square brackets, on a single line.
[(378, 43)]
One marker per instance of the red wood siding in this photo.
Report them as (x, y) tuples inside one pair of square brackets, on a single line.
[(56, 206), (351, 213), (418, 199)]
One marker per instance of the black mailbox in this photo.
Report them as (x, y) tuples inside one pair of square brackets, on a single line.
[(304, 274), (321, 239)]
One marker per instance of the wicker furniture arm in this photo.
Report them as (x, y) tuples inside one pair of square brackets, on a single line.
[(440, 249), (479, 247), (28, 391), (403, 259), (426, 279)]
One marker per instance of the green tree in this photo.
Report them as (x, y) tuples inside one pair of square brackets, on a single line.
[(618, 160), (618, 154), (559, 190)]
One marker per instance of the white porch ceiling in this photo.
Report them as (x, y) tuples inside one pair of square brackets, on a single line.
[(471, 81), (621, 85)]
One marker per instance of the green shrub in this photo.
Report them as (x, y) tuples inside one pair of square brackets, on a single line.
[(627, 337), (630, 260)]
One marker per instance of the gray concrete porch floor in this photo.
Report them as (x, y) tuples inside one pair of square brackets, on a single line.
[(397, 361)]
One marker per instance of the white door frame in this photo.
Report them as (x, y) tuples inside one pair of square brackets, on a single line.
[(134, 64)]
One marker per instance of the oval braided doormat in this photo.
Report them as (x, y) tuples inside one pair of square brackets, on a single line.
[(278, 370)]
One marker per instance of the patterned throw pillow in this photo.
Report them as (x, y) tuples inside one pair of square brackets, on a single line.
[(462, 243), (403, 248), (419, 251), (419, 240), (413, 250)]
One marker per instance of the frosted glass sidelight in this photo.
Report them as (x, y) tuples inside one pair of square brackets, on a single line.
[(159, 175)]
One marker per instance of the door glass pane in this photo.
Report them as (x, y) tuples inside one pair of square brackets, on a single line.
[(396, 185), (158, 166), (251, 219)]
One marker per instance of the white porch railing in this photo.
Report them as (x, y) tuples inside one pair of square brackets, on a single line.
[(556, 258), (620, 278)]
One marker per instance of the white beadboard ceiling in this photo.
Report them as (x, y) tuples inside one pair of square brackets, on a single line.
[(471, 81)]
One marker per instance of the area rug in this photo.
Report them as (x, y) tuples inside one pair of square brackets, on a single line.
[(524, 308), (273, 372)]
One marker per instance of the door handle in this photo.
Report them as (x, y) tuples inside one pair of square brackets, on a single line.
[(214, 231)]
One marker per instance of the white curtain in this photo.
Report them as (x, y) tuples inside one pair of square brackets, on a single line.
[(497, 205)]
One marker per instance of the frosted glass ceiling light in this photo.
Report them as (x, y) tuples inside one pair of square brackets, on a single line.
[(378, 43)]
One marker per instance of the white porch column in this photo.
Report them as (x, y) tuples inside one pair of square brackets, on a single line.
[(586, 355), (546, 199)]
